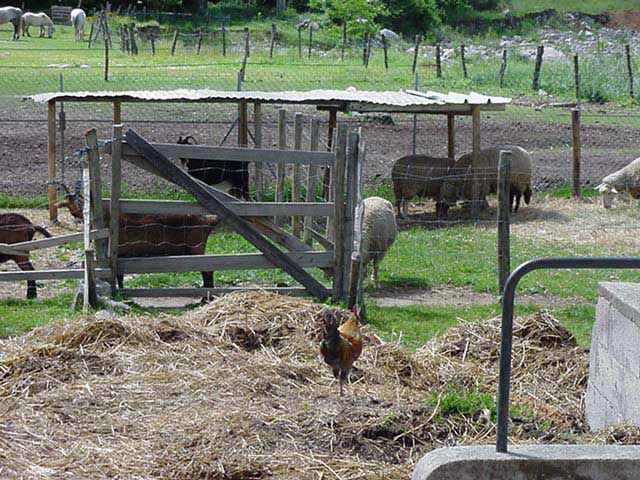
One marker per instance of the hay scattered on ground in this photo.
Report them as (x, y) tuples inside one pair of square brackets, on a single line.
[(235, 390)]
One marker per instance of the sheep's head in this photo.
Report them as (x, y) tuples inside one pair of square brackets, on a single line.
[(607, 191), (73, 201)]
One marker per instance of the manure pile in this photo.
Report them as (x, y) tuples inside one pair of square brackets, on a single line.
[(235, 390)]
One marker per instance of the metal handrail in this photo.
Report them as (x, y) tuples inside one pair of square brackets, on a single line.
[(507, 320)]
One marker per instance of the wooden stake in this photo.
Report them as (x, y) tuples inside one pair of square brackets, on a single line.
[(106, 61), (386, 53), (52, 191), (577, 152), (576, 78), (89, 294), (503, 67), (257, 137), (464, 61), (438, 62), (97, 217), (344, 40), (132, 34), (351, 193), (369, 37), (333, 122), (476, 169), (280, 168), (310, 37), (312, 175), (504, 207), (93, 24), (117, 113), (339, 213), (299, 42), (451, 132), (416, 50), (627, 50), (296, 192), (114, 215), (364, 48), (538, 66), (273, 39), (224, 41), (153, 46), (247, 40), (199, 41), (175, 42)]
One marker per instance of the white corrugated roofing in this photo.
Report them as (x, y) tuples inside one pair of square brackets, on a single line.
[(345, 99)]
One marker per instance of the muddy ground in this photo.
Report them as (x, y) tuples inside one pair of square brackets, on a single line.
[(605, 148)]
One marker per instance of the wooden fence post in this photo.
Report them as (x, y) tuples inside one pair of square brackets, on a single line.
[(52, 191), (153, 46), (438, 62), (62, 126), (312, 177), (503, 67), (414, 136), (300, 42), (296, 192), (122, 49), (386, 53), (257, 138), (577, 151), (247, 44), (125, 39), (369, 38), (199, 41), (93, 24), (627, 50), (97, 217), (224, 41), (464, 61), (351, 191), (416, 50), (273, 39), (357, 273), (310, 37), (132, 34), (538, 66), (504, 206), (280, 168), (576, 78), (175, 41), (339, 211), (344, 40), (477, 191), (365, 41), (106, 61), (89, 294), (116, 183)]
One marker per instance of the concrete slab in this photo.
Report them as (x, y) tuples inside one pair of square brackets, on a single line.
[(531, 462)]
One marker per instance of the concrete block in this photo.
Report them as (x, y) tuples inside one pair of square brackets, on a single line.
[(531, 462)]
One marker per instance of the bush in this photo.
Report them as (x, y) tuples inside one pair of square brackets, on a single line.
[(455, 11), (411, 16), (235, 9), (360, 15)]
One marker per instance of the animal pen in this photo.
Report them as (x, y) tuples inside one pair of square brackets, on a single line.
[(258, 222)]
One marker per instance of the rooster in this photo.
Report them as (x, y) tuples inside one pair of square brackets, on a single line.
[(342, 345)]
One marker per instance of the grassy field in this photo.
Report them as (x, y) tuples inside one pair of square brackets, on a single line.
[(33, 65), (591, 6)]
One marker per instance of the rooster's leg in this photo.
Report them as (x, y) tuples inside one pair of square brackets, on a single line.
[(341, 382)]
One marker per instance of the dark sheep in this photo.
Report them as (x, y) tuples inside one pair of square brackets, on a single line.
[(16, 228)]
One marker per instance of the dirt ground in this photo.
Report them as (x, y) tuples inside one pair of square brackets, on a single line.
[(23, 145)]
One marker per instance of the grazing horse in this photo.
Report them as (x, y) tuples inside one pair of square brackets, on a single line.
[(39, 20), (13, 15), (78, 19)]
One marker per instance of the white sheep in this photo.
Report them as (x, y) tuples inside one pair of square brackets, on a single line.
[(379, 230), (626, 179)]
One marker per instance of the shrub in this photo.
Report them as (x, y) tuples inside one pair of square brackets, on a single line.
[(411, 16), (360, 15)]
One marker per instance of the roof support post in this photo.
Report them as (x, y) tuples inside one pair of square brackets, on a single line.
[(451, 139), (52, 191), (477, 197), (333, 123)]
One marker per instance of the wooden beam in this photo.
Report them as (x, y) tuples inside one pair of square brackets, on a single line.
[(476, 199), (52, 191), (296, 190), (97, 217), (317, 236), (200, 263), (23, 247), (242, 209), (114, 205), (215, 206), (117, 113), (451, 145), (339, 216), (61, 274), (312, 178), (326, 182), (205, 292), (257, 138), (281, 167), (231, 154)]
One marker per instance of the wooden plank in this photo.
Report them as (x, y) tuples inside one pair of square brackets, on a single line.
[(90, 295), (577, 152), (233, 154), (357, 270), (317, 236), (205, 292), (312, 175), (280, 168), (5, 249), (52, 192), (296, 191), (199, 263), (451, 136), (117, 113), (338, 218), (23, 247), (257, 138), (97, 217), (333, 122), (215, 206), (351, 192), (243, 127), (242, 209), (60, 274), (504, 207), (114, 204), (476, 200)]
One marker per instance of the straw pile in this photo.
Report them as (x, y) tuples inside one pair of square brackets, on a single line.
[(235, 390)]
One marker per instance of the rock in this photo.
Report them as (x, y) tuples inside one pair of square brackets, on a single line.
[(389, 34)]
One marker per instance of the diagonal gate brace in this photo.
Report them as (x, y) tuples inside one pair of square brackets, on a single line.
[(163, 165)]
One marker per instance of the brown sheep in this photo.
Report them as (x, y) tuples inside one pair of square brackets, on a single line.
[(419, 175), (146, 235), (16, 228)]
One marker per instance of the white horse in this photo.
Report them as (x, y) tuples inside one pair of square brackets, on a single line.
[(78, 19), (39, 20), (13, 15)]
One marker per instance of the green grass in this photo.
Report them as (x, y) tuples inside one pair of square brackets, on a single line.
[(590, 6), (19, 315)]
